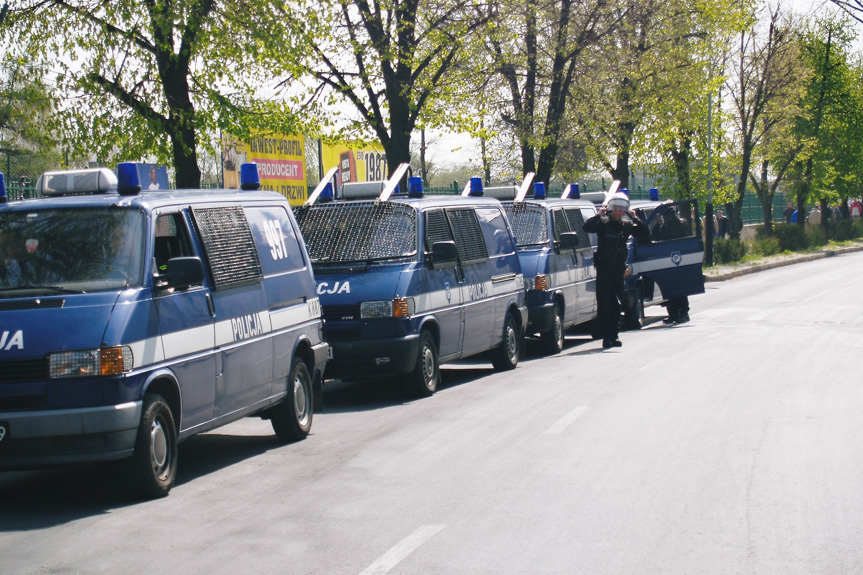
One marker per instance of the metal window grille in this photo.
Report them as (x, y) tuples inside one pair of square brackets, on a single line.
[(529, 223), (229, 246), (352, 232), (468, 235)]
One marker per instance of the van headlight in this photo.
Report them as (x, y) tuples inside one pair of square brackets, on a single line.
[(90, 362), (399, 307)]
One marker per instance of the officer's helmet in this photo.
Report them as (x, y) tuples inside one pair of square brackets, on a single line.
[(618, 200)]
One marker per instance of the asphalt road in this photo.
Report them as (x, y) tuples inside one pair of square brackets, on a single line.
[(731, 444)]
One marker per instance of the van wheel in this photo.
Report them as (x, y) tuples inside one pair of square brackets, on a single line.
[(634, 312), (292, 418), (506, 355), (153, 466), (425, 377), (553, 339)]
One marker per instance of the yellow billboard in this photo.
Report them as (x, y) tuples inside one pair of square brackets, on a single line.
[(280, 160), (356, 163)]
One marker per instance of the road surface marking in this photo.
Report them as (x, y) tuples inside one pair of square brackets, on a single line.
[(402, 549), (566, 420)]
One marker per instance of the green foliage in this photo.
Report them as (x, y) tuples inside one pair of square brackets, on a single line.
[(791, 237), (845, 230), (816, 237), (156, 79), (728, 251), (765, 246)]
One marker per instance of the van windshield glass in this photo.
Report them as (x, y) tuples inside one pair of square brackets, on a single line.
[(48, 251), (358, 231), (529, 223)]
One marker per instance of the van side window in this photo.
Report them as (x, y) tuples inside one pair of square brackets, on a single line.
[(497, 238), (437, 229), (278, 240), (576, 224), (172, 240), (228, 245), (468, 235), (560, 223)]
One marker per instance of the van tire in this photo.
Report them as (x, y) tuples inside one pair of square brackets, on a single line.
[(633, 314), (425, 377), (153, 466), (505, 357), (292, 418), (553, 339)]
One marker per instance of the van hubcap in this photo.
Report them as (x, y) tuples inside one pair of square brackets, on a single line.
[(428, 366), (300, 403), (158, 445)]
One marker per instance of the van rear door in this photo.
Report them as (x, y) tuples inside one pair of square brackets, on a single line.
[(673, 256)]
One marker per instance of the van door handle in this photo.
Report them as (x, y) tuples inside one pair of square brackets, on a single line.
[(210, 305)]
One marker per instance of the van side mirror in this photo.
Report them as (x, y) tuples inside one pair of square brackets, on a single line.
[(184, 272), (444, 254), (568, 241)]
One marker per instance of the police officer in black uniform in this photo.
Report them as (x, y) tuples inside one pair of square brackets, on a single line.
[(672, 227), (613, 225)]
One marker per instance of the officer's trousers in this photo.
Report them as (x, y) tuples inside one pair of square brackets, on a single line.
[(609, 296)]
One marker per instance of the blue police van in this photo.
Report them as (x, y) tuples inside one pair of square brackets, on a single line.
[(131, 320), (409, 282), (556, 257)]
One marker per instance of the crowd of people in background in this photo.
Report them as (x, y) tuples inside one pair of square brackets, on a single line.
[(855, 210), (789, 214)]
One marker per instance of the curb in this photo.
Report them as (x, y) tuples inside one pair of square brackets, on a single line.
[(753, 268)]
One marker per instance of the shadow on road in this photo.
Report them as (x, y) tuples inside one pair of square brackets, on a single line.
[(40, 499)]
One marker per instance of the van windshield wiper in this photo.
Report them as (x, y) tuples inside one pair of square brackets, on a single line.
[(55, 289)]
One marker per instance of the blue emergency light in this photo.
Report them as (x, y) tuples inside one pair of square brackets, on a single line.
[(654, 194), (475, 187), (574, 192), (327, 194), (249, 179), (624, 191), (539, 191), (415, 187), (2, 189), (128, 183)]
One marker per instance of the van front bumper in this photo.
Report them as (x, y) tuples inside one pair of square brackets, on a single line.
[(363, 359), (63, 436), (540, 311), (540, 318)]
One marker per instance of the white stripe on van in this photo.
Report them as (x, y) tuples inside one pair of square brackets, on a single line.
[(188, 341), (147, 351), (666, 263), (294, 315), (243, 327)]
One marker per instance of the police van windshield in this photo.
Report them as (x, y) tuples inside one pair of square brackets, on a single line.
[(529, 223), (47, 251), (352, 232)]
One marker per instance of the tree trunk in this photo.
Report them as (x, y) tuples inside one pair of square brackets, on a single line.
[(424, 174), (621, 170), (765, 198)]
